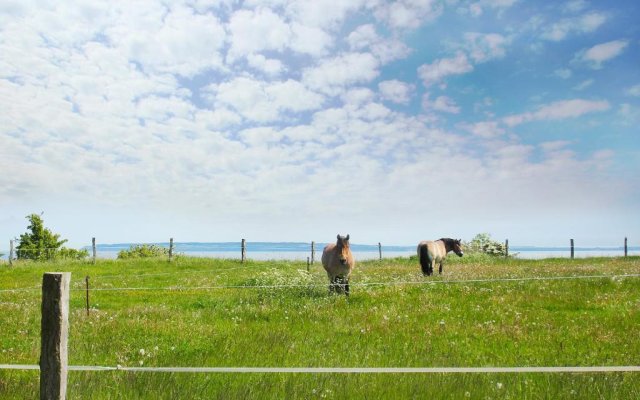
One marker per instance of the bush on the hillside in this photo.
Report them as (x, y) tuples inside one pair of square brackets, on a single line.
[(72, 254), (483, 243), (143, 251)]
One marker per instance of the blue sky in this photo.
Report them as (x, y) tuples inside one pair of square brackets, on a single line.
[(274, 120)]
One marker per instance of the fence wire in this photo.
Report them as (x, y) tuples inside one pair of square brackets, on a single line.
[(346, 370), (323, 285)]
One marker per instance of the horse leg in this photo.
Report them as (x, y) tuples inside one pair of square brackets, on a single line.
[(332, 284), (340, 284), (440, 269), (346, 288)]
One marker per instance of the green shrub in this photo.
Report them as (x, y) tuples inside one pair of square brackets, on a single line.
[(483, 243), (143, 251), (72, 254)]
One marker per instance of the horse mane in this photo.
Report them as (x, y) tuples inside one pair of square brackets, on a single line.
[(448, 242)]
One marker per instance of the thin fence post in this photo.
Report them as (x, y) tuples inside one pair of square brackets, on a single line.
[(308, 264), (243, 250), (380, 251), (170, 248), (10, 252), (572, 249), (625, 246), (54, 335), (93, 248), (313, 251), (86, 280), (506, 248)]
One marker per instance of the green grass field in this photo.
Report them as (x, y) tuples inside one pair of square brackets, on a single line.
[(209, 313)]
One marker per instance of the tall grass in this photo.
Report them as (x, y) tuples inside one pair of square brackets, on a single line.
[(206, 312)]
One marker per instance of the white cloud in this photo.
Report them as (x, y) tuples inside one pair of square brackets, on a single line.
[(253, 31), (365, 37), (584, 84), (310, 40), (563, 73), (272, 67), (634, 91), (179, 42), (485, 129), (484, 47), (395, 91), (435, 72), (598, 54), (559, 110), (584, 24), (408, 14), (476, 9), (358, 96), (261, 101), (323, 14), (575, 5), (333, 75), (441, 103)]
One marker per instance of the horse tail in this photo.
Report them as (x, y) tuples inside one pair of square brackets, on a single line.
[(425, 260)]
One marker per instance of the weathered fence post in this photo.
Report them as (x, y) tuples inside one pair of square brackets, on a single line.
[(625, 246), (313, 251), (170, 248), (93, 247), (380, 251), (86, 280), (307, 264), (54, 335), (10, 252), (243, 250), (506, 248), (572, 249)]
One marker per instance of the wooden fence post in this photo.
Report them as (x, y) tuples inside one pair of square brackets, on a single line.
[(307, 264), (86, 280), (313, 251), (170, 248), (243, 250), (572, 249), (10, 252), (625, 247), (380, 251), (54, 334), (506, 248), (93, 247)]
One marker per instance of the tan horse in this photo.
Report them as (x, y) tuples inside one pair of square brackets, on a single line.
[(338, 261), (432, 252)]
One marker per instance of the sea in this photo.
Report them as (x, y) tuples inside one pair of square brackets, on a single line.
[(301, 250)]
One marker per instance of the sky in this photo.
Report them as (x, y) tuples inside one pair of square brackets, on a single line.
[(288, 120)]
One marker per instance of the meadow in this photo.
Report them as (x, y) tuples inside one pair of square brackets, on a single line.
[(198, 312)]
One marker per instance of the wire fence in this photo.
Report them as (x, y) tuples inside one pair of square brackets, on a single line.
[(298, 251), (324, 285), (346, 370)]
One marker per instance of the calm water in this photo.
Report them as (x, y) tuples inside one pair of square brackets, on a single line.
[(300, 251)]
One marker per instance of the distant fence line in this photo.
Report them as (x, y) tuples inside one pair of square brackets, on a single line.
[(244, 248)]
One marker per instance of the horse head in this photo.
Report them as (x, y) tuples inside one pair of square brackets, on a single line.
[(456, 246), (343, 248)]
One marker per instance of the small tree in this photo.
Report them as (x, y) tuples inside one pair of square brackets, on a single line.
[(42, 244), (39, 243)]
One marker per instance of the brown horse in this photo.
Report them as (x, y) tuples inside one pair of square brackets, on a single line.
[(338, 261), (432, 252)]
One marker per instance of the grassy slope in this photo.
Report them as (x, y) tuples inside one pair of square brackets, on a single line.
[(408, 324)]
